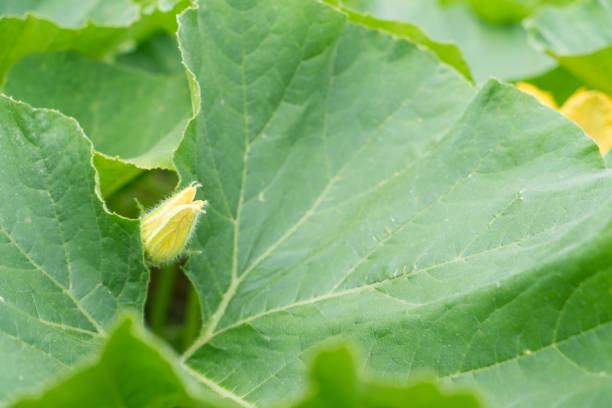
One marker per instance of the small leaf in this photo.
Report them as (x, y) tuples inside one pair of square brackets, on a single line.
[(133, 371), (336, 383)]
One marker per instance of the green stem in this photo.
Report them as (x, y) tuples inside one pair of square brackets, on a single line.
[(162, 296), (192, 318)]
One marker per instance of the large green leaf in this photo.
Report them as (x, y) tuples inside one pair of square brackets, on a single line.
[(580, 37), (130, 113), (133, 370), (360, 188), (490, 49), (67, 266), (92, 27)]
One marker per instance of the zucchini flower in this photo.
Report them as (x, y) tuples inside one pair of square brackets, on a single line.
[(166, 229)]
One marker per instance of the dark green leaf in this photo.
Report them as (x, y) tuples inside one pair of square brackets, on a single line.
[(67, 266)]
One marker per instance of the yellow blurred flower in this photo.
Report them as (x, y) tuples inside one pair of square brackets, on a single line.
[(166, 229), (544, 97), (591, 110)]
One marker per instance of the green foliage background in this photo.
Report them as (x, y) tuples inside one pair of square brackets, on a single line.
[(388, 225)]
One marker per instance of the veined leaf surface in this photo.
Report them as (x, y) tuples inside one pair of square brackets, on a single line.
[(67, 266), (359, 188)]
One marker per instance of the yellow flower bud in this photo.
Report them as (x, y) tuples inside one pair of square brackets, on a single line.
[(166, 229)]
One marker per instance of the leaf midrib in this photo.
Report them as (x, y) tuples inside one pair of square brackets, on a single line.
[(237, 280)]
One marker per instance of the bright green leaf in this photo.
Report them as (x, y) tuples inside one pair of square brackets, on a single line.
[(360, 188), (336, 383), (507, 11), (133, 370), (67, 265), (580, 38)]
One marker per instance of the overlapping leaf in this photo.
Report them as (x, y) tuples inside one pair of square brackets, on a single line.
[(135, 118), (129, 113), (93, 27), (336, 383), (133, 370), (67, 266), (448, 53), (498, 50), (360, 188)]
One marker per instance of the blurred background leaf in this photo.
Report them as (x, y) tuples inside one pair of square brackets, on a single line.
[(491, 50)]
